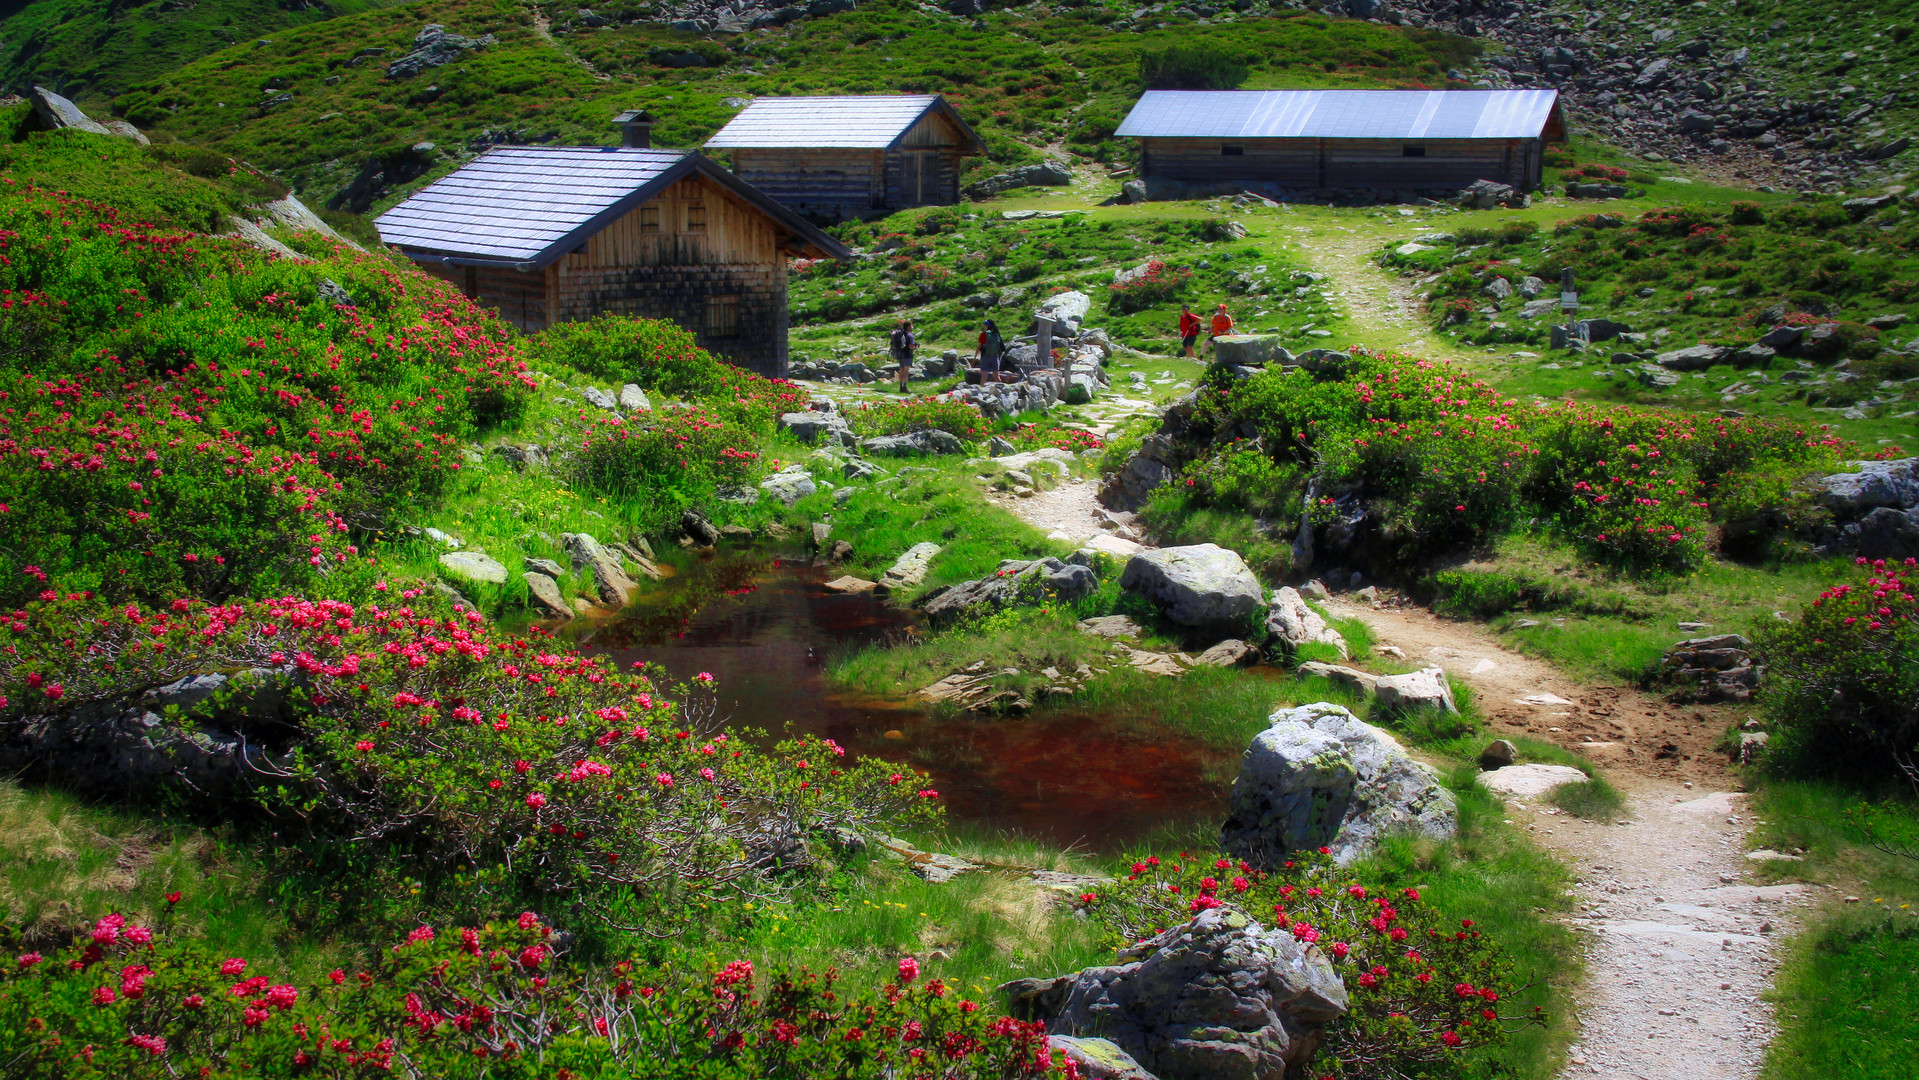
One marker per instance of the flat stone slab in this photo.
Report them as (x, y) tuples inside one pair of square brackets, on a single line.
[(473, 566), (1117, 546), (1768, 855), (1526, 781), (1111, 626), (851, 584)]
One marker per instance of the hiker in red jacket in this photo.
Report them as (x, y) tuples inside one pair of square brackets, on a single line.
[(1188, 330), (1222, 325)]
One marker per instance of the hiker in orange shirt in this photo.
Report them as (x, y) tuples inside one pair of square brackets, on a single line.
[(1222, 325), (1188, 330)]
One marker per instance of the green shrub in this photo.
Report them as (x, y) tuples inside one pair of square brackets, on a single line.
[(1192, 67), (1158, 284), (956, 418), (1842, 681), (1479, 594), (1422, 986), (1594, 799)]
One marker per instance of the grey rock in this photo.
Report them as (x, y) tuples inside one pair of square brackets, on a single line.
[(1692, 121), (1290, 619), (914, 444), (1080, 389), (1251, 350), (1868, 206), (1353, 679), (434, 47), (1884, 533), (1044, 174), (1694, 358), (634, 399), (811, 427), (1319, 777), (600, 399), (546, 596), (1876, 483), (55, 113), (1069, 307), (1753, 355), (696, 526), (1133, 192), (1196, 586), (861, 469), (999, 447), (910, 568), (1229, 653), (1216, 998), (789, 485), (1534, 309), (1425, 688), (1498, 754), (1498, 288), (473, 566), (544, 566), (1657, 378), (1782, 338), (1098, 1059), (609, 577)]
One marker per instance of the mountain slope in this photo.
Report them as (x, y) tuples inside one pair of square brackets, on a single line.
[(90, 51)]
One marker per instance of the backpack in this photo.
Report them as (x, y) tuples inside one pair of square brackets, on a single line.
[(902, 343), (995, 345)]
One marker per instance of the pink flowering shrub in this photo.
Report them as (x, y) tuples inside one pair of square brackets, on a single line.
[(433, 734), (956, 418), (1159, 283), (1424, 988), (1842, 680), (499, 1000)]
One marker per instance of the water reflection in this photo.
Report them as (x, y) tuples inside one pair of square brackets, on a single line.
[(766, 627)]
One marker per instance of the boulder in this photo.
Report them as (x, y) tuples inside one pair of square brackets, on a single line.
[(1783, 338), (1320, 777), (910, 568), (473, 566), (433, 47), (1111, 626), (1044, 174), (634, 399), (1135, 480), (544, 566), (1526, 781), (1069, 307), (1229, 653), (1195, 586), (1080, 389), (968, 597), (609, 577), (1498, 754), (697, 527), (1425, 688), (1133, 192), (1353, 679), (1694, 358), (790, 484), (810, 427), (914, 444), (1216, 998), (1291, 620), (1884, 533), (1248, 349), (546, 596), (1876, 483), (53, 112), (1657, 378)]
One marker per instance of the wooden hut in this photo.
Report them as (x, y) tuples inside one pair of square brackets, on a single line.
[(1380, 139), (553, 234), (832, 158)]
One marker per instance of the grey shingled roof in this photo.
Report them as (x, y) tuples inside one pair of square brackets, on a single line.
[(870, 122), (533, 204), (1341, 114)]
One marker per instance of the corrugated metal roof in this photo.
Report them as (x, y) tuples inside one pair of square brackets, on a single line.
[(874, 121), (1341, 114), (515, 202), (534, 203)]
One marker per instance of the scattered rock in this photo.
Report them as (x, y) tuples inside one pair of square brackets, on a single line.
[(53, 113), (634, 399), (473, 566), (1229, 653), (1111, 626), (1694, 358), (909, 569), (1498, 754), (1318, 776), (546, 595), (609, 577), (433, 47), (851, 584), (1294, 622), (1425, 688), (1526, 781), (790, 484), (1098, 1059), (915, 444), (1353, 679)]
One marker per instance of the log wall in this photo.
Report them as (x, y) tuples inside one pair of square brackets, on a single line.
[(1346, 163), (833, 185)]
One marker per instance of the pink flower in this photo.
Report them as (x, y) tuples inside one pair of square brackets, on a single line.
[(528, 920), (909, 969), (233, 967), (282, 997), (703, 677), (152, 1044), (104, 995), (27, 960), (536, 800)]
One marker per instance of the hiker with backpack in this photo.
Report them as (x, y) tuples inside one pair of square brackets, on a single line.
[(991, 348), (901, 345), (1188, 330)]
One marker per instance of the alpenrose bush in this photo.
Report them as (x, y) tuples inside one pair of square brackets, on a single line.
[(951, 415), (1423, 989), (182, 412), (1444, 460), (1842, 681), (663, 462), (424, 731), (500, 1000)]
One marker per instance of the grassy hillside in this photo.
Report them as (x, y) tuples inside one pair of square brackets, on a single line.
[(91, 51), (1059, 77)]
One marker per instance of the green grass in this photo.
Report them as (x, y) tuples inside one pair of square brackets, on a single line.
[(1845, 996), (1594, 799)]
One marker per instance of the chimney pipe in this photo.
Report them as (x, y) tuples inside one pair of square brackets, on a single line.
[(636, 128)]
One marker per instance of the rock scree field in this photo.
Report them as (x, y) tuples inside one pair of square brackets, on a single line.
[(1433, 677)]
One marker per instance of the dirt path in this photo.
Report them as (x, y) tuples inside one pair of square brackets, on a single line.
[(1680, 942)]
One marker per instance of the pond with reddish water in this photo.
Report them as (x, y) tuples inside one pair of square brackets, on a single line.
[(765, 627)]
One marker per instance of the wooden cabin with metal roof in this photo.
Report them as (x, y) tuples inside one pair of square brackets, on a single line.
[(557, 234), (1345, 139), (833, 158)]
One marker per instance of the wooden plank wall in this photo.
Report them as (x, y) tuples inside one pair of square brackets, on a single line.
[(519, 296), (1345, 163), (901, 191), (825, 183)]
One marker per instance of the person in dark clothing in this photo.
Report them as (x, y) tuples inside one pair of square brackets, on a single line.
[(901, 345), (991, 348)]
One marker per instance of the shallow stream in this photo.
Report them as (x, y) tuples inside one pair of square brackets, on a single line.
[(766, 626)]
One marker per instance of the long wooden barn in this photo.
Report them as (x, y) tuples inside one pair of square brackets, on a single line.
[(832, 158), (554, 234), (1381, 139)]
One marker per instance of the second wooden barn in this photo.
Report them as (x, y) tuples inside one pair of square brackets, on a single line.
[(563, 233), (832, 158), (1344, 139)]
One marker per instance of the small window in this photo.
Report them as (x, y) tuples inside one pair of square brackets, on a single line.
[(722, 316), (649, 219), (696, 218), (1232, 151), (1412, 151)]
